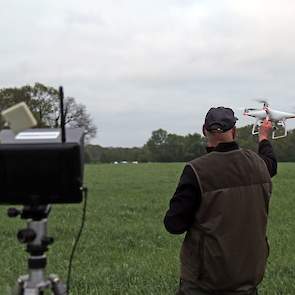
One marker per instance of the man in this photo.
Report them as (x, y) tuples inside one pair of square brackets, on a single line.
[(222, 203)]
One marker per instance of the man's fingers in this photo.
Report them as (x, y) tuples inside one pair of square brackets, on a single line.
[(267, 124)]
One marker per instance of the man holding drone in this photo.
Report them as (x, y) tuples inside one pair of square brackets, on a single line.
[(221, 202)]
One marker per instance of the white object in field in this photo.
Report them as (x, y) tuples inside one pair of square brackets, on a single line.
[(19, 117)]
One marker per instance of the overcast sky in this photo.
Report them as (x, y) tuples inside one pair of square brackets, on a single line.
[(140, 65)]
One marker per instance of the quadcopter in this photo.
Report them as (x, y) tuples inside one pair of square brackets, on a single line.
[(278, 119)]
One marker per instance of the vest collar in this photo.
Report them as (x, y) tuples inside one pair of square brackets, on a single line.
[(224, 147)]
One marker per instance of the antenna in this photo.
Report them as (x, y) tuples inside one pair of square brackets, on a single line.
[(62, 115)]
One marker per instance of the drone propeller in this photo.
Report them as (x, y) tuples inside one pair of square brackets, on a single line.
[(264, 101), (253, 109), (245, 110)]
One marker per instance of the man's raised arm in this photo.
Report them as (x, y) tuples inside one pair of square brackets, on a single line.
[(265, 149)]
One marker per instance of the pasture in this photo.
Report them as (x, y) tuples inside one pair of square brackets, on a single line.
[(125, 249)]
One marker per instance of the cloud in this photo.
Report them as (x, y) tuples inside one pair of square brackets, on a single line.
[(140, 65)]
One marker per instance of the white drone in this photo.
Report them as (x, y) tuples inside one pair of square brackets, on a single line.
[(278, 119)]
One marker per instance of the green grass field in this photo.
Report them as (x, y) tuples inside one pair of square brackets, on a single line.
[(124, 248)]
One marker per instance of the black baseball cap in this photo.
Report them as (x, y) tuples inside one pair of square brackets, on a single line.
[(220, 119)]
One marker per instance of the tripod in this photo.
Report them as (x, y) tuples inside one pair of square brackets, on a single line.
[(37, 241)]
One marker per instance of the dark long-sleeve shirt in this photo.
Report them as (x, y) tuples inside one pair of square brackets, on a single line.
[(187, 198)]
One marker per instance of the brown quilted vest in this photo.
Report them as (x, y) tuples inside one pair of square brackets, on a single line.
[(226, 249)]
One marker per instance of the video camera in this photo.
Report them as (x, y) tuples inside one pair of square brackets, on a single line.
[(42, 166), (37, 169)]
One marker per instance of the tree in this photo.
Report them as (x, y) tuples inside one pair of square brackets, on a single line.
[(285, 147), (174, 148), (169, 147), (156, 145), (194, 146), (246, 139), (76, 115), (44, 104)]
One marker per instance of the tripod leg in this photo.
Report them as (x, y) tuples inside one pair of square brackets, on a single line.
[(57, 287), (19, 286)]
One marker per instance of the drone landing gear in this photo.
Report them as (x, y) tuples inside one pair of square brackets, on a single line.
[(281, 125), (256, 126), (37, 241)]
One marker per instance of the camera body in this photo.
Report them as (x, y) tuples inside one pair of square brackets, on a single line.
[(37, 168)]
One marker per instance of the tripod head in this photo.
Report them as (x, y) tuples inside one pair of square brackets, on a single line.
[(35, 235)]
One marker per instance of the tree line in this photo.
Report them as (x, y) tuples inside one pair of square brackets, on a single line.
[(167, 147), (162, 146)]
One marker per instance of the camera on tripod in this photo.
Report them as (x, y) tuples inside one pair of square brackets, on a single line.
[(41, 166), (38, 168)]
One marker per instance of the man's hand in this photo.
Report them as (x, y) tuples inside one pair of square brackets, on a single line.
[(265, 130)]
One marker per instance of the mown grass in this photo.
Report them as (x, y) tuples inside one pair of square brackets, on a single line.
[(124, 248)]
